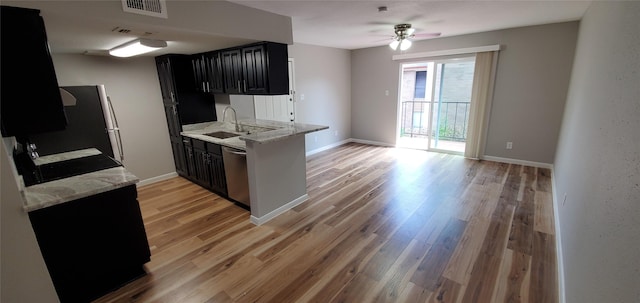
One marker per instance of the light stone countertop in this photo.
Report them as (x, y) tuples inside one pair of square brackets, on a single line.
[(55, 192), (258, 131), (66, 156)]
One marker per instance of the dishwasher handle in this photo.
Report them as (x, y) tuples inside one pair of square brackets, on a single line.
[(235, 151)]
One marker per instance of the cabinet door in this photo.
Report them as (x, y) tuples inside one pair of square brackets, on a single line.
[(254, 70), (179, 157), (216, 173), (201, 161), (92, 245), (232, 70), (165, 75), (199, 73), (173, 120), (214, 73), (188, 151)]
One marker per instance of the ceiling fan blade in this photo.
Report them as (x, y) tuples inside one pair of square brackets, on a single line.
[(427, 35)]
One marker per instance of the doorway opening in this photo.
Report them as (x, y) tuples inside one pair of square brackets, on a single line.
[(435, 103)]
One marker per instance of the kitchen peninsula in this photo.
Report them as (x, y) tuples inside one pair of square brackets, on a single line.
[(276, 160)]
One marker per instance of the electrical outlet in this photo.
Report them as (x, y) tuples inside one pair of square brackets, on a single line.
[(509, 145), (386, 92), (301, 97)]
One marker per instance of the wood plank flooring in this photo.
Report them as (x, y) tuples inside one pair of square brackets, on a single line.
[(381, 225)]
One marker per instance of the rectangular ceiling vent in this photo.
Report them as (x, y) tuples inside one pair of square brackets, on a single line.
[(155, 8)]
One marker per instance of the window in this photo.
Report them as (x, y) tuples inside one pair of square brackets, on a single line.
[(421, 84)]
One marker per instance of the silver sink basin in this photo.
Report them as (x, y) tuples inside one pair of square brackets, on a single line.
[(222, 135)]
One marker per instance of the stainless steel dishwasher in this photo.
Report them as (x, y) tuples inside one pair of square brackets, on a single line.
[(235, 170)]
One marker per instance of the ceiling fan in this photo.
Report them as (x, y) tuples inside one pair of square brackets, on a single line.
[(403, 32)]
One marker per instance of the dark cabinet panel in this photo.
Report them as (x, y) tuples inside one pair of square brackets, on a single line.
[(207, 71), (201, 164), (189, 158), (254, 70), (205, 165), (216, 172), (179, 158), (183, 104), (232, 69), (30, 98), (258, 69), (173, 120), (92, 245)]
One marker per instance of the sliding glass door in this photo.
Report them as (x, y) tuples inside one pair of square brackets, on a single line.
[(434, 104)]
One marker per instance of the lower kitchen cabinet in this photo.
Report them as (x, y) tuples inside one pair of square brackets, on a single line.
[(92, 245), (216, 168), (204, 165), (179, 157)]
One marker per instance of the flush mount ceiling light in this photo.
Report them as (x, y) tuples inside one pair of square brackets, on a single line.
[(403, 33), (137, 47)]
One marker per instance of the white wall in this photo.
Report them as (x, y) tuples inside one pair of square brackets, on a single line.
[(323, 76), (530, 91), (134, 89), (598, 159), (23, 274)]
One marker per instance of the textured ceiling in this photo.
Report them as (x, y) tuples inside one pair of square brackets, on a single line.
[(358, 24)]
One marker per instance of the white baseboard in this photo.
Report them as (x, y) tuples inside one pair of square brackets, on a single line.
[(330, 146), (157, 179), (278, 211), (517, 161), (559, 255), (371, 142)]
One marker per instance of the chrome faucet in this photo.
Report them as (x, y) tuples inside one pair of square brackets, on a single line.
[(235, 116)]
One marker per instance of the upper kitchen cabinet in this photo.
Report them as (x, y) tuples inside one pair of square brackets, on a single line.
[(257, 69), (176, 84), (207, 72), (30, 98), (174, 75)]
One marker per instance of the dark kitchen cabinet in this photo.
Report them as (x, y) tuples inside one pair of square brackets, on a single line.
[(30, 98), (232, 70), (173, 120), (217, 177), (180, 158), (207, 72), (205, 165), (189, 158), (257, 69), (92, 245), (183, 104), (201, 163)]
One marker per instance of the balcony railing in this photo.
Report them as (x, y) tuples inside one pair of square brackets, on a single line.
[(450, 120)]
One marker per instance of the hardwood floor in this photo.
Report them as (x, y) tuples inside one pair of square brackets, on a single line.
[(381, 225)]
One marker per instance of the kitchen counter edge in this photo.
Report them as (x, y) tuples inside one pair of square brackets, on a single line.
[(56, 192), (279, 131)]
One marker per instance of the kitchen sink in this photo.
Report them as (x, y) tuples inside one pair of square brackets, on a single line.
[(222, 135)]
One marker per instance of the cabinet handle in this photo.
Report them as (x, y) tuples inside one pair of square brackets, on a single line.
[(203, 89), (239, 87), (208, 88), (245, 85), (173, 98)]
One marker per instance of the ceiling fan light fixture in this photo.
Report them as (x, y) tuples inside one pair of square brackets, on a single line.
[(405, 44), (394, 44), (137, 47)]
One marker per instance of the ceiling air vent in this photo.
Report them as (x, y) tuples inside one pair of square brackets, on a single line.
[(155, 8)]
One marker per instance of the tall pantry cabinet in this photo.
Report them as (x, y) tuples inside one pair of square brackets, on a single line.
[(183, 104)]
